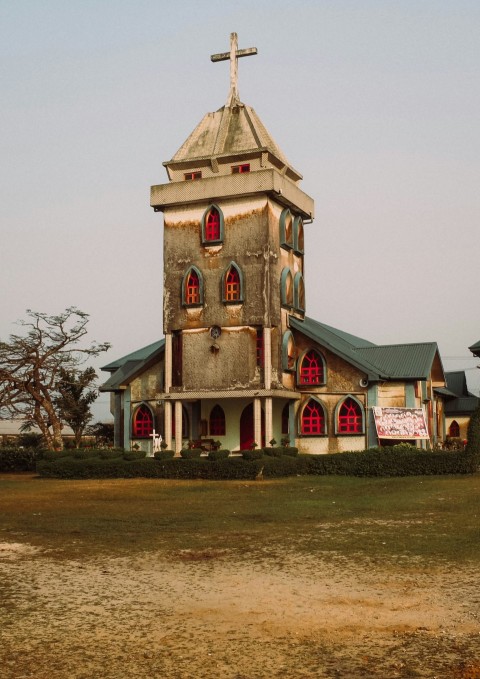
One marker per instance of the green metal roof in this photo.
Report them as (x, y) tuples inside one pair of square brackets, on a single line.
[(457, 382), (340, 343), (139, 354), (475, 348), (402, 361), (464, 405), (126, 368), (379, 362)]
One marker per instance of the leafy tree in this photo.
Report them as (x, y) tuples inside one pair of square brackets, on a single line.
[(31, 368), (473, 434), (76, 395), (103, 432)]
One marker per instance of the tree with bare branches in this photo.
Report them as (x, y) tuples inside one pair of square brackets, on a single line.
[(33, 365)]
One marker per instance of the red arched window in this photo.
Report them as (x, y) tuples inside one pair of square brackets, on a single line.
[(212, 225), (233, 285), (142, 422), (192, 288), (286, 419), (311, 370), (350, 419), (313, 419), (454, 429), (217, 422)]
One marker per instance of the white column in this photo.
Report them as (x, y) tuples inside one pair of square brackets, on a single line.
[(168, 423), (178, 427), (168, 363), (257, 421), (267, 357), (268, 421)]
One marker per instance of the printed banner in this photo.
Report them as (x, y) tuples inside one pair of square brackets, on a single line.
[(400, 423)]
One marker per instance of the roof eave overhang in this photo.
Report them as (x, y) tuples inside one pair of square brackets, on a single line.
[(268, 181)]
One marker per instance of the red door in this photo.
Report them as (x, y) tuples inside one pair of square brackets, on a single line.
[(246, 428)]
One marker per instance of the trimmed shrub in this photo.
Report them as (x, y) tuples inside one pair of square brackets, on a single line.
[(290, 450), (13, 459), (190, 453), (252, 454), (134, 455), (221, 454), (83, 453), (95, 468), (110, 453), (164, 454), (273, 452)]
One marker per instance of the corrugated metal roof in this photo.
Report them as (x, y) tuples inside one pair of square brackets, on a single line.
[(139, 354), (395, 361), (402, 361), (462, 406), (457, 382), (475, 348)]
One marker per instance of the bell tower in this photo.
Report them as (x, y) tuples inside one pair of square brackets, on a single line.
[(233, 275)]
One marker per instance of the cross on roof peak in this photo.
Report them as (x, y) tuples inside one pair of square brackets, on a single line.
[(233, 56)]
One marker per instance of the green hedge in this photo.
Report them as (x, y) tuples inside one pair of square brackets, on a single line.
[(164, 454), (14, 459), (221, 454), (388, 461), (70, 468), (190, 453)]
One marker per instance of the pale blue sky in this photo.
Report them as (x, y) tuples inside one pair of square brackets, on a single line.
[(376, 103)]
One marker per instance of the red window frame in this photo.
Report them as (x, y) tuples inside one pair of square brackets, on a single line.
[(233, 285), (286, 419), (142, 422), (241, 169), (313, 419), (217, 422), (192, 175), (311, 369), (192, 288), (212, 225), (350, 417), (454, 429)]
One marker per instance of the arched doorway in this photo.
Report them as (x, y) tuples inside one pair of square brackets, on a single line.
[(247, 428)]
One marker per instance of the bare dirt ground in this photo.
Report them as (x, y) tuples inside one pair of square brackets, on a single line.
[(202, 614)]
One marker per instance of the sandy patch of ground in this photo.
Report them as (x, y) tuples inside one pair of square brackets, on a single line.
[(202, 614)]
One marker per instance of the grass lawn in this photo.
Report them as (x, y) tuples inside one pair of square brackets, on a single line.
[(393, 520), (305, 578)]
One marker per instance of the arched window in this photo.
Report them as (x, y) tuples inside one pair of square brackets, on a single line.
[(350, 419), (311, 369), (312, 419), (286, 229), (232, 284), (454, 429), (217, 421), (298, 244), (142, 423), (288, 351), (286, 419), (192, 288), (286, 288), (212, 226), (299, 292)]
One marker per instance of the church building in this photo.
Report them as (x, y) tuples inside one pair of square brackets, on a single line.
[(241, 362)]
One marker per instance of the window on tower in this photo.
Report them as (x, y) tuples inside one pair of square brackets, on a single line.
[(193, 175), (192, 288), (212, 226), (233, 284), (240, 169)]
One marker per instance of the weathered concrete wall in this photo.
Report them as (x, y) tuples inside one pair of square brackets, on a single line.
[(247, 242), (232, 366), (391, 395)]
